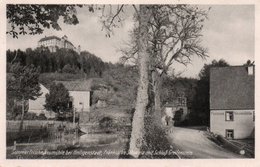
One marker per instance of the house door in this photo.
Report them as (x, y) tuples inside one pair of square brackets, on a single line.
[(229, 133)]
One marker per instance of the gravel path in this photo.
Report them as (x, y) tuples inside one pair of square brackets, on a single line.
[(194, 144)]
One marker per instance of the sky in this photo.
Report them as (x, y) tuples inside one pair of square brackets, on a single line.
[(229, 33)]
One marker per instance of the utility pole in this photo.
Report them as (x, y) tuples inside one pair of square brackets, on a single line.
[(74, 112)]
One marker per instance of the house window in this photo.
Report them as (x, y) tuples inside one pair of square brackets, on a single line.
[(70, 104), (229, 116), (229, 133)]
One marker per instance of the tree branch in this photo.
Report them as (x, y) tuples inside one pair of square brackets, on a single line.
[(116, 15)]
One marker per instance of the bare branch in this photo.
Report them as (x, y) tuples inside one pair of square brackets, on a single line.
[(116, 15), (136, 10)]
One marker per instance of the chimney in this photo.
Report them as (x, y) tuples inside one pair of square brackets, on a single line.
[(250, 70)]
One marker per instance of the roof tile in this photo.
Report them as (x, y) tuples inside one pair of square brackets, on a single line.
[(231, 88), (78, 85)]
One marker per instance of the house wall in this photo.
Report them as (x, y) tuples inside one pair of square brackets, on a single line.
[(170, 111), (53, 43), (243, 123), (82, 97), (37, 106)]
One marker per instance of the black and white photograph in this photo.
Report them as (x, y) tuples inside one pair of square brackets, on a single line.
[(129, 81)]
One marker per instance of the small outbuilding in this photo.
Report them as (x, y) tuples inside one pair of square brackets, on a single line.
[(176, 109)]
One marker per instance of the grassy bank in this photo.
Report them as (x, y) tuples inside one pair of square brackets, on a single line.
[(33, 131)]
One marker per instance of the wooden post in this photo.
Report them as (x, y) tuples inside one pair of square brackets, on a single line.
[(74, 111), (14, 148)]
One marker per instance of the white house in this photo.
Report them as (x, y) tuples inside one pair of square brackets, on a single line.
[(80, 93), (37, 106), (232, 91)]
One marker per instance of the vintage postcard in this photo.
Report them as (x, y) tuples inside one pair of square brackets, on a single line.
[(173, 83)]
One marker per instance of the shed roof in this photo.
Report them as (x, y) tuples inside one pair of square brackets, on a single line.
[(78, 85), (231, 88)]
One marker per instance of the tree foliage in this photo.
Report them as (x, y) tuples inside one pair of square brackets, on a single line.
[(22, 82), (57, 100), (201, 114), (69, 69), (22, 85), (63, 60), (123, 80), (173, 88), (33, 19)]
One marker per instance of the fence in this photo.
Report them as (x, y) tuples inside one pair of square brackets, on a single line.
[(13, 126), (53, 145)]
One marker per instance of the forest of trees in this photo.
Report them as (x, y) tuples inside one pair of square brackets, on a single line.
[(62, 61)]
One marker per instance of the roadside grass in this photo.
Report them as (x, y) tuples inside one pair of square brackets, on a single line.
[(156, 144)]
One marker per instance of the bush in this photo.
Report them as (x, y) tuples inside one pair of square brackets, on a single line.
[(106, 122), (68, 69), (42, 117), (30, 116), (155, 139)]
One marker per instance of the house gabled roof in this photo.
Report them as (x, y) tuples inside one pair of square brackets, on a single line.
[(49, 38), (54, 37), (43, 90), (231, 88), (69, 42), (78, 85)]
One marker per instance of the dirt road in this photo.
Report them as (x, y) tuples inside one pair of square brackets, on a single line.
[(194, 144)]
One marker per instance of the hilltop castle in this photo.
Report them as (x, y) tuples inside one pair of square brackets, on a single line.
[(54, 42)]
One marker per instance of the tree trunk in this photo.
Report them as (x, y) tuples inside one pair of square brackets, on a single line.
[(137, 134), (22, 116), (156, 79)]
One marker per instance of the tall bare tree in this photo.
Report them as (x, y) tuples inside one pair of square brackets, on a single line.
[(137, 134), (174, 36)]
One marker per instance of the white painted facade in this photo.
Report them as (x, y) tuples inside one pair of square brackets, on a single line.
[(170, 111), (81, 100), (53, 42), (37, 106), (241, 122)]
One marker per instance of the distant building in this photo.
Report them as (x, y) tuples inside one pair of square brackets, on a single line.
[(232, 111), (54, 42), (176, 105), (80, 93), (80, 96)]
